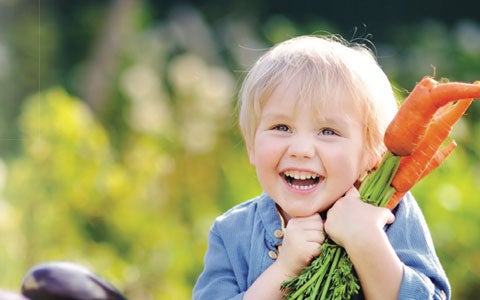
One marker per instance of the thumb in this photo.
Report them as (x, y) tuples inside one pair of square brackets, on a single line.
[(389, 217)]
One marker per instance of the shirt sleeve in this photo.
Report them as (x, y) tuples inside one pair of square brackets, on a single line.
[(423, 274), (217, 280)]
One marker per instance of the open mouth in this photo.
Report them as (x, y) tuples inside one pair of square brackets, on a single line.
[(301, 180)]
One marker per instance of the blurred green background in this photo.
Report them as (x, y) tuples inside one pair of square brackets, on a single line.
[(118, 136)]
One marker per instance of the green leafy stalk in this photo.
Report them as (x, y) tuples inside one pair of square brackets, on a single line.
[(376, 188), (333, 267), (330, 276)]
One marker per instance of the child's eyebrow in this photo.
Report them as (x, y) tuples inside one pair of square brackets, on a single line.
[(339, 120), (280, 115)]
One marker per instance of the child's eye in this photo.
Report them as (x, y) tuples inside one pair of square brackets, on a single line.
[(327, 131), (280, 127)]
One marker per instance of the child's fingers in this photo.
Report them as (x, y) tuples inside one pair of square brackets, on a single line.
[(314, 236), (302, 241), (389, 216), (352, 192), (305, 233), (315, 250), (313, 222)]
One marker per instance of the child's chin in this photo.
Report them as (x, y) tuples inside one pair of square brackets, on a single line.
[(304, 213)]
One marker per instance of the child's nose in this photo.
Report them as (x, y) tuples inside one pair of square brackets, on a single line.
[(301, 147)]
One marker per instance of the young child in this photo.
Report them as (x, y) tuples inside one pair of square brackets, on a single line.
[(313, 114)]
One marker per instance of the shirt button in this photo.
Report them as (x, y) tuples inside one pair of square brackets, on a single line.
[(278, 233), (272, 254)]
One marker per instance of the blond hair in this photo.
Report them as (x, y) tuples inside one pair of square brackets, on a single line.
[(322, 66)]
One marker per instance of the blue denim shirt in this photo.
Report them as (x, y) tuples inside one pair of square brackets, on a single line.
[(242, 244)]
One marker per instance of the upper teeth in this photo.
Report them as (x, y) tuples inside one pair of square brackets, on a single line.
[(301, 175)]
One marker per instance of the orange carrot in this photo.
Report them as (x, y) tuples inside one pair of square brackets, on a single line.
[(446, 92), (411, 167), (406, 130), (437, 159)]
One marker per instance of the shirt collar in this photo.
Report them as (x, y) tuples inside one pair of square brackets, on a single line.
[(271, 218)]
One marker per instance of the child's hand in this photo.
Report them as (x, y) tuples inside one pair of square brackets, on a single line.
[(302, 240), (350, 220)]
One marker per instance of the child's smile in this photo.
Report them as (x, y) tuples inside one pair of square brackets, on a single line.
[(301, 180)]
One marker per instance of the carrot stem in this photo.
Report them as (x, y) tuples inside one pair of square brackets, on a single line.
[(333, 268), (376, 188)]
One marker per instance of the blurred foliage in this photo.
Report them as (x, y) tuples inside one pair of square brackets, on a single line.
[(119, 142)]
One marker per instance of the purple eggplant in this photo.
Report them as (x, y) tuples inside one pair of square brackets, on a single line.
[(67, 281)]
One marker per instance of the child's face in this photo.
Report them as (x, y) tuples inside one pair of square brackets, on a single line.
[(306, 162)]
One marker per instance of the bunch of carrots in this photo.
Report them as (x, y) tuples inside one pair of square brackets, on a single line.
[(416, 142)]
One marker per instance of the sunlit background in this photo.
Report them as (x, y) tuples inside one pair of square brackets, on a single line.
[(118, 136)]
